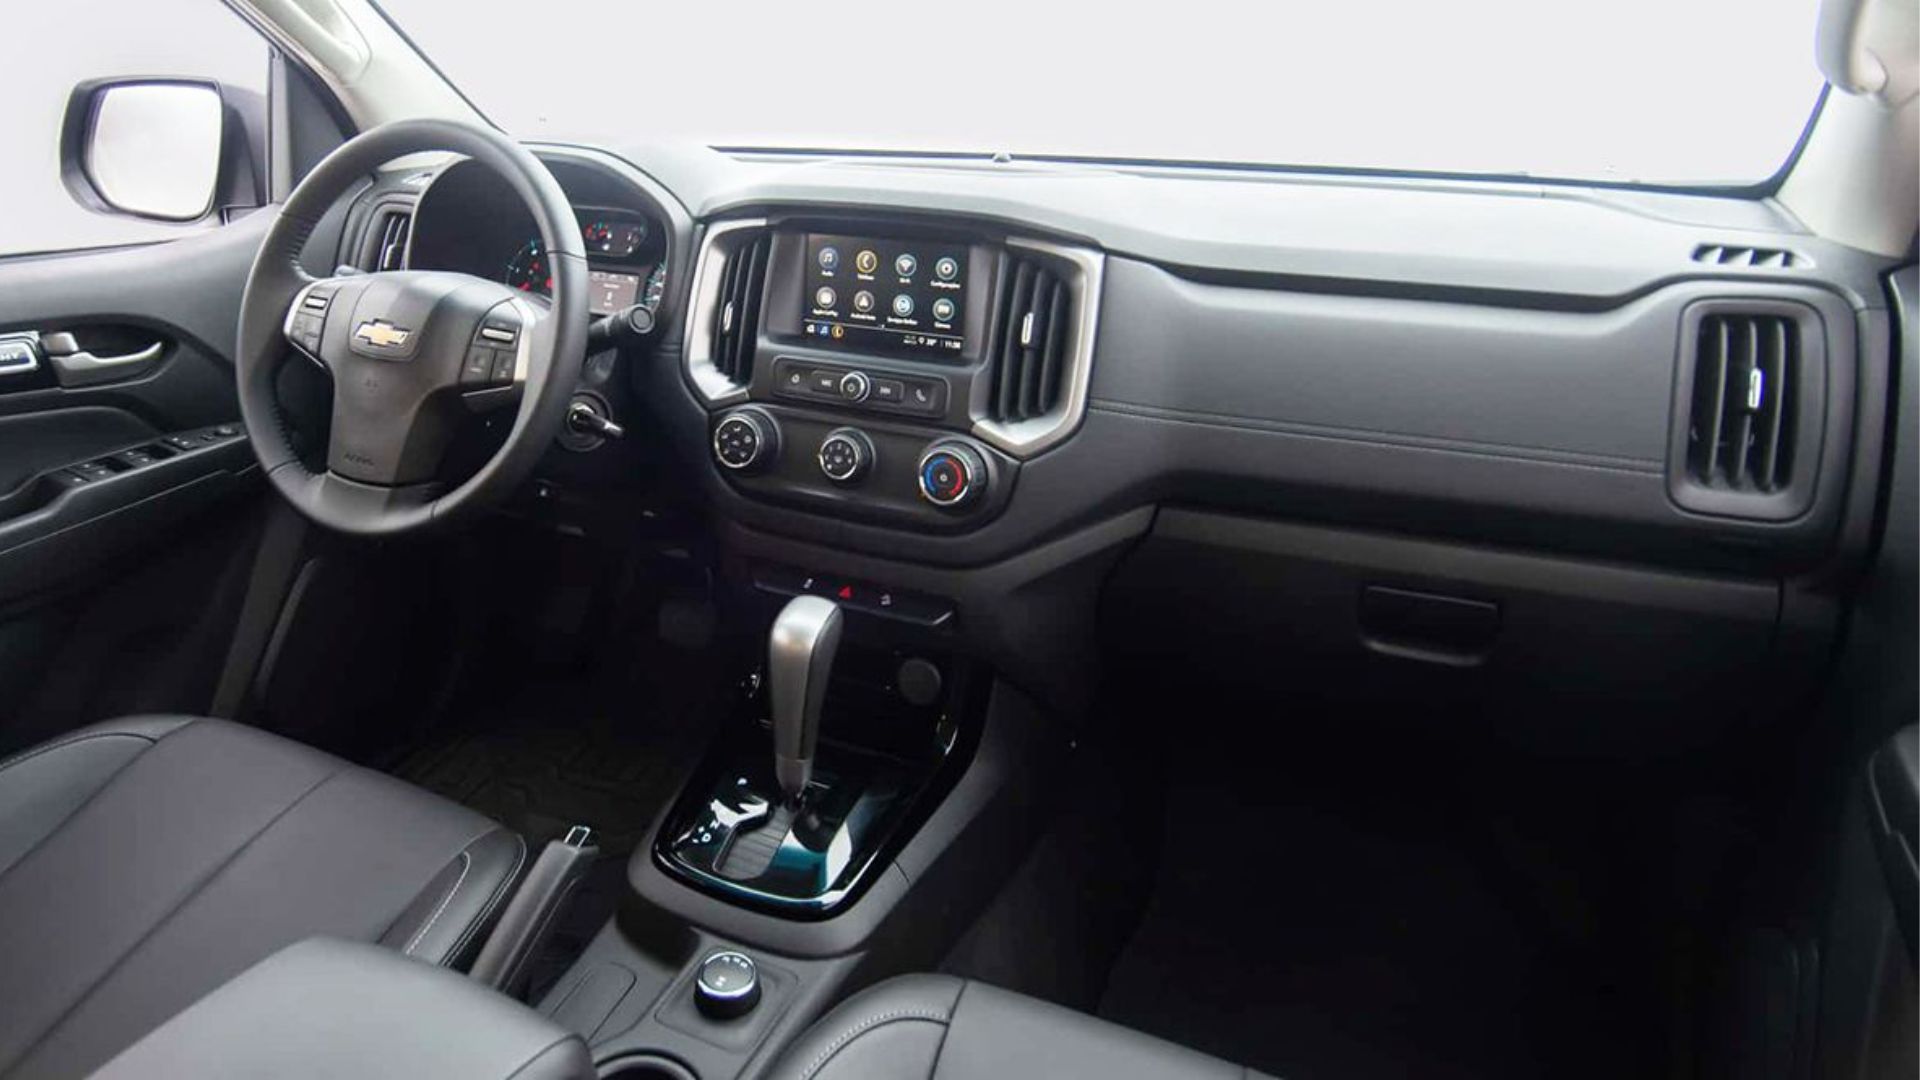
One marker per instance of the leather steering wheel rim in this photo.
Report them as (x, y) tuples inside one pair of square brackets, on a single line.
[(552, 354)]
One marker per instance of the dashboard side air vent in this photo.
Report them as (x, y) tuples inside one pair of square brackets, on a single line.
[(385, 244), (1039, 346), (736, 319), (1751, 402), (724, 311), (1759, 258), (1029, 336)]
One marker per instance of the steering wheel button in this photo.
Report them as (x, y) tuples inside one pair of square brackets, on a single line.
[(479, 365), (503, 365)]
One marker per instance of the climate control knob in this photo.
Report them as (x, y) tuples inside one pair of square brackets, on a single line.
[(952, 474), (746, 439), (846, 455)]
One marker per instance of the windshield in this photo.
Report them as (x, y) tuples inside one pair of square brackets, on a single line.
[(1673, 92)]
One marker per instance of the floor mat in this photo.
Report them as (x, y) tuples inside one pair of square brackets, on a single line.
[(1316, 945)]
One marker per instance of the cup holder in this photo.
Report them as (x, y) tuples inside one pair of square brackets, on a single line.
[(646, 1067)]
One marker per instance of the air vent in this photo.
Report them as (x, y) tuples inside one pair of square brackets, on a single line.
[(1741, 434), (385, 247), (1030, 342), (736, 318), (1759, 258)]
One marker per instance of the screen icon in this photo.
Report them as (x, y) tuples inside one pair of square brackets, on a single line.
[(866, 262), (829, 258), (903, 305), (905, 264), (946, 268), (943, 309), (863, 301), (824, 297)]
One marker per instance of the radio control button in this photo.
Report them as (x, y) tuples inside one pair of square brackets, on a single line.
[(889, 391), (855, 386), (824, 382)]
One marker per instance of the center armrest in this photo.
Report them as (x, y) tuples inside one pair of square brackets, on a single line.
[(330, 1008)]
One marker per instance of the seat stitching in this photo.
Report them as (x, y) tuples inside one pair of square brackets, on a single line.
[(493, 901), (466, 864), (72, 740), (543, 1052), (839, 1043), (161, 923)]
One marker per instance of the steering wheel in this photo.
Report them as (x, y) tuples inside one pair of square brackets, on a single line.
[(411, 352)]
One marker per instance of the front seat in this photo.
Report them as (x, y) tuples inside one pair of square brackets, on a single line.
[(146, 861), (919, 1026)]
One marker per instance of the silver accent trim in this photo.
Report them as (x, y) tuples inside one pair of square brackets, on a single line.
[(85, 363), (709, 269), (759, 432), (752, 984), (961, 453), (1030, 437), (862, 456), (800, 652), (28, 342)]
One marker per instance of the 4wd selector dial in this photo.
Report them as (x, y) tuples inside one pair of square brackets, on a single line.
[(745, 439), (846, 455), (952, 474)]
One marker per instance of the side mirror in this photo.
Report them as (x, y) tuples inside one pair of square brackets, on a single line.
[(151, 148)]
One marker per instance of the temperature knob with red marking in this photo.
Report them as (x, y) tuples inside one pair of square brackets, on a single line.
[(952, 474)]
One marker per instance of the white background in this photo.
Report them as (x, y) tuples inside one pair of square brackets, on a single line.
[(1661, 90), (1682, 91)]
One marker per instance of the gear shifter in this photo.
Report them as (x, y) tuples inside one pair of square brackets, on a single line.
[(800, 651)]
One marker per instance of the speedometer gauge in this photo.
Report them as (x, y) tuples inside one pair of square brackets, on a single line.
[(528, 270)]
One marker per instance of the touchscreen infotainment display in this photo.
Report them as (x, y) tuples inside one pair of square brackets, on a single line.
[(865, 291)]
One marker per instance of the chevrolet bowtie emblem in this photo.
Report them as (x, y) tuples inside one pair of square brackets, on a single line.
[(382, 334)]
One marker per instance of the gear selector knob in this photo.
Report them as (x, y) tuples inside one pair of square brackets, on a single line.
[(800, 651)]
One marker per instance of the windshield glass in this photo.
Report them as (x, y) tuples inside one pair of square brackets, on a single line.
[(1678, 92)]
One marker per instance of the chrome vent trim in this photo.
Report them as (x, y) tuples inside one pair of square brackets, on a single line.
[(1081, 269), (389, 239), (722, 239), (1741, 432)]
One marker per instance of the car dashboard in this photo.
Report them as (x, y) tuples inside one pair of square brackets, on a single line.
[(1473, 428)]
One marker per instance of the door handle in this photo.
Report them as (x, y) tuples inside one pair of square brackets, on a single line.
[(75, 366)]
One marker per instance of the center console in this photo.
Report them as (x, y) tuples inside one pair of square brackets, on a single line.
[(892, 372), (876, 777)]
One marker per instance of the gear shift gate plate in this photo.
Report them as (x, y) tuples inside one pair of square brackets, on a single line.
[(743, 843)]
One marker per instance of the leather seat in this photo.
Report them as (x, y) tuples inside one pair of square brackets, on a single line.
[(919, 1026), (146, 861)]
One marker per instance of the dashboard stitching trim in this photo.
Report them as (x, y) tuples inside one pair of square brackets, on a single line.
[(1539, 455)]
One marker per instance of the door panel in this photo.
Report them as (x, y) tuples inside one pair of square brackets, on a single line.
[(128, 495), (97, 458)]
